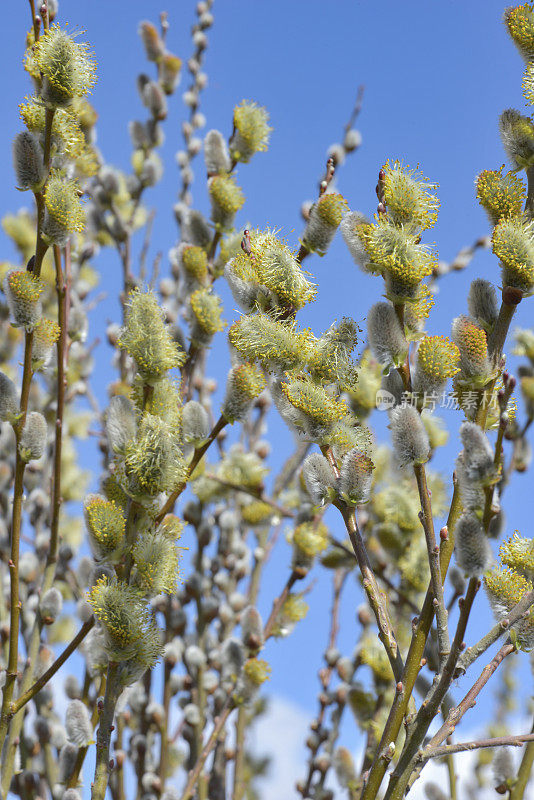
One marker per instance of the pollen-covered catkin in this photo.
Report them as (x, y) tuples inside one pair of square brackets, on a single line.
[(517, 134), (226, 200), (105, 525), (23, 293), (45, 335), (33, 437), (473, 551), (355, 477), (409, 436), (437, 361), (77, 723), (66, 67), (251, 131), (325, 217), (386, 337), (195, 423), (28, 161), (319, 479), (245, 383), (9, 400), (121, 425), (64, 214), (482, 303), (154, 46), (475, 366), (216, 156)]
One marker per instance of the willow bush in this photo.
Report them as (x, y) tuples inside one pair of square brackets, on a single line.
[(100, 573)]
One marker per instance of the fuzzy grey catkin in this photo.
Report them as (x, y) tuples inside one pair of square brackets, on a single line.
[(319, 479), (349, 231), (195, 423), (482, 302), (355, 477), (216, 155), (386, 337), (71, 794), (473, 551), (344, 767), (67, 760), (478, 454), (77, 723), (252, 628), (28, 161), (9, 401), (409, 436), (433, 792), (121, 424), (503, 766), (517, 135), (471, 492), (50, 605), (33, 437)]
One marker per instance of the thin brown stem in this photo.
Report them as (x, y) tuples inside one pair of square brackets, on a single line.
[(220, 722)]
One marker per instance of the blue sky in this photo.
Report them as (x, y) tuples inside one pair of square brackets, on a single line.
[(436, 74)]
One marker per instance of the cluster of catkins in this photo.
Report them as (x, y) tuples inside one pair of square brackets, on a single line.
[(203, 633)]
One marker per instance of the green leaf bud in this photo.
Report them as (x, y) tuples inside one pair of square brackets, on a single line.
[(204, 316), (408, 197), (513, 244), (106, 526), (216, 156), (277, 346), (32, 442), (195, 423), (226, 200), (153, 461), (408, 435), (502, 196), (323, 222), (147, 339), (153, 44), (121, 425), (386, 337), (517, 134), (67, 69), (9, 400), (169, 72), (473, 551), (520, 24), (319, 479), (50, 605), (437, 361), (475, 366), (245, 383), (64, 212), (156, 561), (251, 131), (482, 303), (28, 161), (355, 477), (78, 725), (45, 335), (350, 227), (518, 554), (23, 294)]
